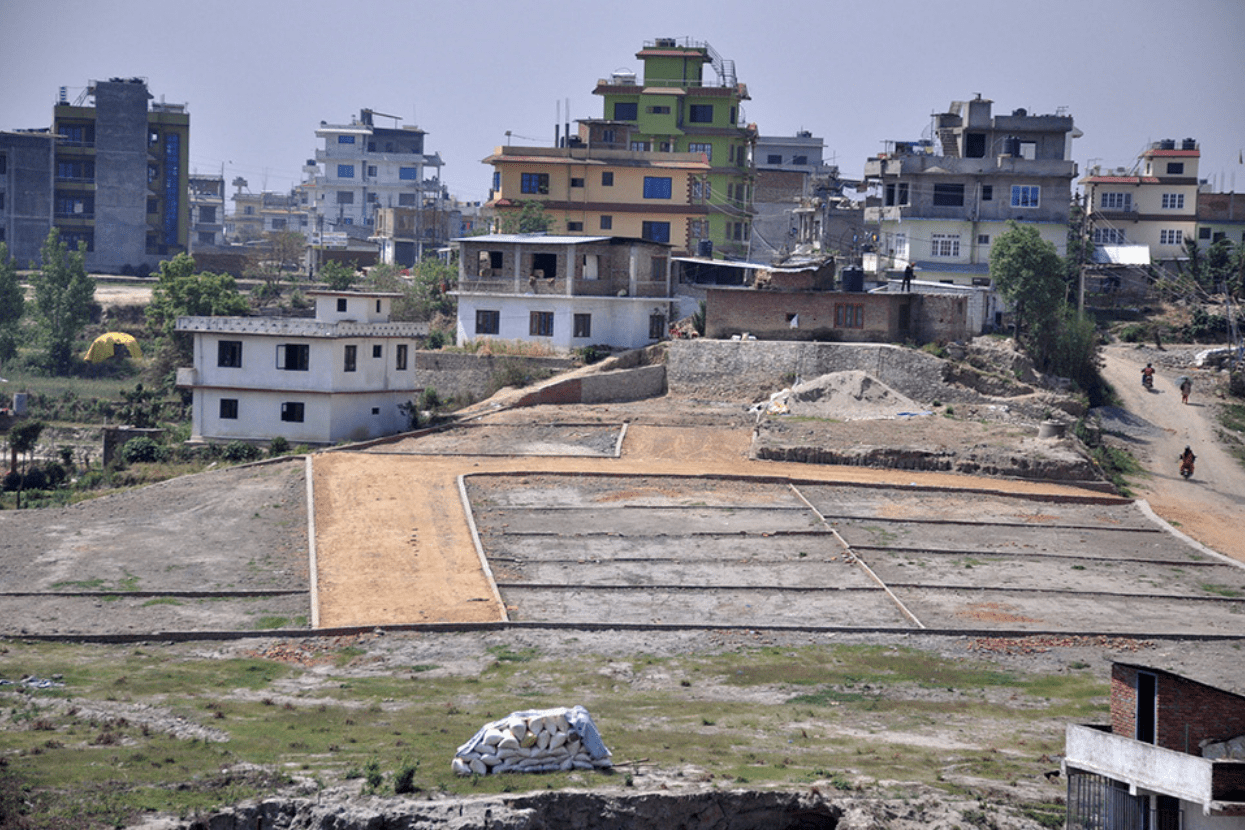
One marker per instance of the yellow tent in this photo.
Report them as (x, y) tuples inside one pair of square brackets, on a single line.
[(106, 344)]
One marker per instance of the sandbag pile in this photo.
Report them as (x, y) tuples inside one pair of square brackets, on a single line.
[(546, 740)]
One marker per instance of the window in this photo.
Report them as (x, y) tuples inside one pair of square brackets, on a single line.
[(408, 173), (1117, 201), (341, 303), (1108, 236), (624, 111), (799, 159), (207, 214), (607, 223), (488, 322), (640, 147), (229, 409), (698, 229), (656, 326), (1202, 233), (540, 324), (974, 145), (574, 226), (700, 113), (378, 306), (576, 182), (773, 158), (583, 325), (702, 190), (205, 237), (1171, 237), (378, 351), (278, 224), (987, 193), (345, 139), (949, 195), (897, 193), (607, 179), (292, 411), (229, 354), (406, 200), (1026, 195), (345, 171), (983, 239), (608, 136), (659, 110), (352, 353), (1175, 168), (535, 183), (345, 197), (293, 357), (944, 244), (1173, 201), (656, 231), (4, 164), (701, 147), (400, 361), (849, 316), (657, 187)]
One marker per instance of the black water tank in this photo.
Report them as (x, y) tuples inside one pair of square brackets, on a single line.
[(1167, 144), (853, 278), (1188, 144), (704, 248)]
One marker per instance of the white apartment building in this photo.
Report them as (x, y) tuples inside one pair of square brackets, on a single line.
[(363, 168), (338, 377), (1154, 204), (942, 201)]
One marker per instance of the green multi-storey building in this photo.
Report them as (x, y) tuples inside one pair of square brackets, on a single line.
[(676, 110)]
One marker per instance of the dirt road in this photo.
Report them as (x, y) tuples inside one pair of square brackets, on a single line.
[(1211, 505)]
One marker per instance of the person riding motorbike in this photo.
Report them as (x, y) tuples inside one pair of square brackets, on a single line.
[(1147, 376), (1186, 462)]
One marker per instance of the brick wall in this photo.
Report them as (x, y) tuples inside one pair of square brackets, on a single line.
[(1188, 712), (766, 315)]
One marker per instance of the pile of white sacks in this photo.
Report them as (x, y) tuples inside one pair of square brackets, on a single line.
[(539, 741)]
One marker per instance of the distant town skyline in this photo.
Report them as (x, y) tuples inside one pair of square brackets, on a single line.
[(258, 78)]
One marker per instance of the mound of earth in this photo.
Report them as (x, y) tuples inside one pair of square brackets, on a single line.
[(849, 396)]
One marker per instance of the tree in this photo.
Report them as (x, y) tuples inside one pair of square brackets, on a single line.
[(287, 249), (12, 304), (338, 275), (531, 217), (63, 296), (22, 439), (181, 292), (1029, 275), (425, 295)]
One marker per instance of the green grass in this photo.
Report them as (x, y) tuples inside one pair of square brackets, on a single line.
[(1220, 590), (330, 723)]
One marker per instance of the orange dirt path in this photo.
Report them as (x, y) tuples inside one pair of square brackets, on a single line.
[(394, 545)]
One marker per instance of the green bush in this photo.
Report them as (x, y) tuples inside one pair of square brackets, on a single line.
[(278, 446), (240, 451), (437, 339), (143, 451)]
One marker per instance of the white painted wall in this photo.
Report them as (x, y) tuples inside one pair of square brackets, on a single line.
[(622, 322)]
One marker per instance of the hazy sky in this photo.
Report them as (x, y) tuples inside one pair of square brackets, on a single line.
[(260, 75)]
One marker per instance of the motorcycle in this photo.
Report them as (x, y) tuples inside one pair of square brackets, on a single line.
[(1186, 466), (1147, 381)]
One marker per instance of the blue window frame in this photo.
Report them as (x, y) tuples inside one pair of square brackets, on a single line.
[(1026, 195), (700, 113), (345, 171), (624, 111), (656, 231), (345, 139), (408, 173), (535, 183), (657, 187)]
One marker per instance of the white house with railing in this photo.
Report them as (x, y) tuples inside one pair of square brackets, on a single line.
[(341, 376)]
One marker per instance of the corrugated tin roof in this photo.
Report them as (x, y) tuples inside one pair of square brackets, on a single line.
[(542, 238)]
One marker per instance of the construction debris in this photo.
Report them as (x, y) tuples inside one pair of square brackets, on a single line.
[(546, 740)]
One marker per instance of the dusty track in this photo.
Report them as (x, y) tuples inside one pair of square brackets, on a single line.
[(394, 544), (1210, 506)]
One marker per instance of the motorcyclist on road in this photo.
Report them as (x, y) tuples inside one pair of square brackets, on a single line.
[(1186, 462), (1147, 376)]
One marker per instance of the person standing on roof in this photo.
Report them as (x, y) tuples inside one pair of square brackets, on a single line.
[(906, 285)]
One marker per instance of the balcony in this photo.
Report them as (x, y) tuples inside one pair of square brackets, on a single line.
[(1216, 785)]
